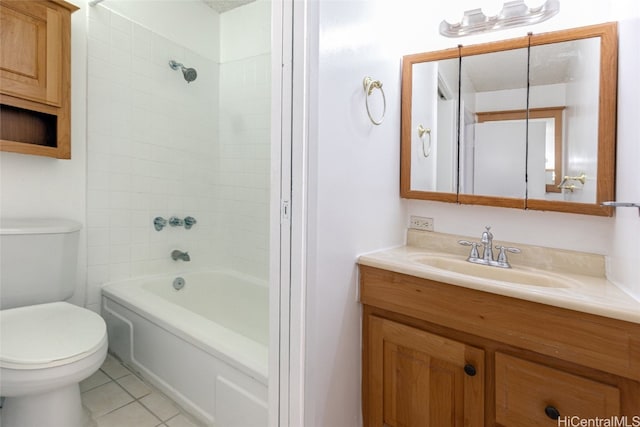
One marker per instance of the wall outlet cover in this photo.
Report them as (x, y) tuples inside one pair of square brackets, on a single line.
[(421, 223)]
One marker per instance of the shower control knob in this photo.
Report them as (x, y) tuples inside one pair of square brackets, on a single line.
[(159, 223), (174, 221), (189, 222)]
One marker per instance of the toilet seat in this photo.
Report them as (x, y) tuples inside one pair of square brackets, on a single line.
[(48, 335)]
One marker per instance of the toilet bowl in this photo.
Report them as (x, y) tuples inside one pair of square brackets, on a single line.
[(47, 346), (45, 351)]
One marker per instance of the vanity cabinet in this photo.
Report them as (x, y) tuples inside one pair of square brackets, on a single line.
[(35, 58), (440, 355)]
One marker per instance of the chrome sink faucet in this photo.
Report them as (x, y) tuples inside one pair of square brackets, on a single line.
[(487, 255), (487, 244)]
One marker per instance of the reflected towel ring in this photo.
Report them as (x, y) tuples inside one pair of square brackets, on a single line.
[(421, 132), (370, 84)]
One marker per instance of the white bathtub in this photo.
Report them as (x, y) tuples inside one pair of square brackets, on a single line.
[(205, 346)]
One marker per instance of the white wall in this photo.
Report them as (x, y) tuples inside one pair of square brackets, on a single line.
[(152, 151), (354, 203), (353, 174), (624, 257), (245, 31), (186, 22), (159, 146), (35, 186), (244, 137)]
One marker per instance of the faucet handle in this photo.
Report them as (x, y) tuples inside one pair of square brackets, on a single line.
[(189, 222), (502, 256), (159, 223), (474, 248), (174, 221)]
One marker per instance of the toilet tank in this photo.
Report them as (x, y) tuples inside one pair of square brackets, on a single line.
[(38, 260)]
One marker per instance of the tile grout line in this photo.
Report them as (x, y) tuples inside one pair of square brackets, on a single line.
[(138, 399), (135, 400)]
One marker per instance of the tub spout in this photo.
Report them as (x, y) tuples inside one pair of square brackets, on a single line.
[(177, 254)]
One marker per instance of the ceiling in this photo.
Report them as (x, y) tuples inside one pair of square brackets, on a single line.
[(550, 64), (222, 6)]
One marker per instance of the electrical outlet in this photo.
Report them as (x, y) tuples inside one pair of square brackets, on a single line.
[(421, 223)]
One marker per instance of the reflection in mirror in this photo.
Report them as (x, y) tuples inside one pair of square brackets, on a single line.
[(566, 74), (493, 152), (434, 109), (545, 133)]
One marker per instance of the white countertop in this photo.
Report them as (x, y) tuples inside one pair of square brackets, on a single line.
[(588, 293)]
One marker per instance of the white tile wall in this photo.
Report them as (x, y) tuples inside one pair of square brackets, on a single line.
[(158, 146), (152, 151), (244, 163)]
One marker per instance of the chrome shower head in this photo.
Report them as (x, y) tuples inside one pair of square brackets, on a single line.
[(190, 74)]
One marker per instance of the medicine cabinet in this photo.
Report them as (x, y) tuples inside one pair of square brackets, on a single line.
[(523, 123)]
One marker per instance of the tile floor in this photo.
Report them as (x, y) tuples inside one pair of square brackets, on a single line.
[(118, 398)]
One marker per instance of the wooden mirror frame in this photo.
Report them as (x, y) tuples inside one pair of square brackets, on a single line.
[(607, 113)]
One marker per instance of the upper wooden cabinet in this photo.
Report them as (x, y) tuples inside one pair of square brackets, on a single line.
[(35, 81)]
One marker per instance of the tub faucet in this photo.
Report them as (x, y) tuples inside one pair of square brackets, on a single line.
[(487, 256), (177, 254)]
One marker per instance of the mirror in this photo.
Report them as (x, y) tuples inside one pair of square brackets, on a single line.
[(430, 137), (493, 152), (535, 125), (434, 138)]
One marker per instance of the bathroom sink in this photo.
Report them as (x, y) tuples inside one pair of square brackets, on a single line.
[(518, 275)]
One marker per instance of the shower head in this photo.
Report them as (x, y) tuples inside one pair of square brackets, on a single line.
[(190, 74)]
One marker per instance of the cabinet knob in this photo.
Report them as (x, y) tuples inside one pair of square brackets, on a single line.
[(552, 412), (470, 370)]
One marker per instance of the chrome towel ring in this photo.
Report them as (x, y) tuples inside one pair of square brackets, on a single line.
[(369, 85)]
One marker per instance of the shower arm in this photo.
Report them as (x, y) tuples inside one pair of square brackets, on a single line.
[(189, 74)]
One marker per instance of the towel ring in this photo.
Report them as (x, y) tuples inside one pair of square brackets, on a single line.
[(421, 132), (370, 84)]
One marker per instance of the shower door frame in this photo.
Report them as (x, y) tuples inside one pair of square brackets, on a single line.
[(288, 213)]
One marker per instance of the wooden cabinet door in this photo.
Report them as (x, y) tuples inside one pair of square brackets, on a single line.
[(418, 379), (31, 50)]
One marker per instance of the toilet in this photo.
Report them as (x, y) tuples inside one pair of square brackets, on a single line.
[(47, 345)]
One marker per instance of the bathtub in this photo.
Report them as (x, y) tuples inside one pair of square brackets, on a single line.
[(205, 345)]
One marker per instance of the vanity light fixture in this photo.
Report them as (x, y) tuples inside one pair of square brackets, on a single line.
[(513, 14)]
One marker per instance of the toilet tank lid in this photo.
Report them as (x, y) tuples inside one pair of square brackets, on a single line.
[(38, 226)]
